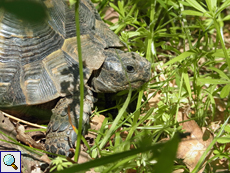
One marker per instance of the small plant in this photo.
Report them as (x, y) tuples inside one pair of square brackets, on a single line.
[(59, 164)]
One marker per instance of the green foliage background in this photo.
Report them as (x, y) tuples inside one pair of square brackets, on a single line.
[(185, 41)]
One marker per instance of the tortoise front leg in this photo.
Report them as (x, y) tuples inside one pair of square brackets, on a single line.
[(60, 136)]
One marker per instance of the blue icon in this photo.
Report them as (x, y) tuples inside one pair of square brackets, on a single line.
[(9, 160)]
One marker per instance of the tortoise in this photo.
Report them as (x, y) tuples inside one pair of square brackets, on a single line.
[(39, 67)]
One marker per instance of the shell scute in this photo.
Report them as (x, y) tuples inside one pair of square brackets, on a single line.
[(39, 60)]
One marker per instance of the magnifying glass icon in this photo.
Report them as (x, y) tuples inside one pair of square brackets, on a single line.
[(9, 160)]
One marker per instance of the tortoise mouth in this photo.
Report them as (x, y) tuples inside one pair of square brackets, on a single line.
[(134, 84), (100, 86)]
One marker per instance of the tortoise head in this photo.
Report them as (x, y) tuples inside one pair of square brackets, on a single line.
[(120, 71)]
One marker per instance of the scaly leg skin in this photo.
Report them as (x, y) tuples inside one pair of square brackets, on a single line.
[(60, 136)]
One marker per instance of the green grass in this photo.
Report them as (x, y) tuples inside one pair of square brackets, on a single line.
[(186, 45), (186, 38), (184, 41)]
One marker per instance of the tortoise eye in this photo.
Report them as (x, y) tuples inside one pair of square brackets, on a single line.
[(130, 69)]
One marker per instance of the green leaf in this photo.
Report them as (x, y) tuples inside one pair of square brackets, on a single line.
[(221, 73), (196, 5), (162, 4), (225, 91), (115, 122), (184, 3), (219, 53), (60, 163), (187, 84), (121, 8), (223, 140), (179, 58), (211, 4), (80, 121), (52, 169), (170, 151), (226, 18), (118, 156), (66, 164), (115, 8), (202, 81), (212, 101), (223, 6), (59, 167), (227, 128), (133, 34), (72, 2), (192, 13)]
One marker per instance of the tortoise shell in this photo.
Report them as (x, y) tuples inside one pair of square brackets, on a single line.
[(39, 59)]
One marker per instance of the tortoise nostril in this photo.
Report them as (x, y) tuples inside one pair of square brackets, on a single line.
[(130, 69)]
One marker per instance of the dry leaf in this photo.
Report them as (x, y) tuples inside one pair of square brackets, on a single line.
[(83, 157), (192, 148), (25, 138), (30, 161), (111, 15), (96, 122), (45, 158), (154, 100)]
